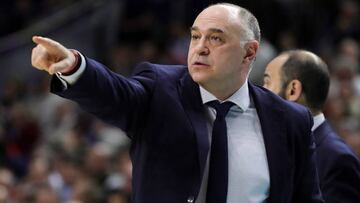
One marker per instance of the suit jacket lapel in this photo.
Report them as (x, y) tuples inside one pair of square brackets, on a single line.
[(274, 132), (272, 124), (194, 108)]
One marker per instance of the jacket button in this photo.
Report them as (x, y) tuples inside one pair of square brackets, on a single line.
[(190, 199)]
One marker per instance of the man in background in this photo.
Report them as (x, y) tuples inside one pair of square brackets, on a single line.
[(301, 76)]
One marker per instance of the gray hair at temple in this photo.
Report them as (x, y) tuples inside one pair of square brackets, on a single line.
[(250, 25)]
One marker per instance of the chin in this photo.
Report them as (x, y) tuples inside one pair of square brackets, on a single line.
[(198, 77)]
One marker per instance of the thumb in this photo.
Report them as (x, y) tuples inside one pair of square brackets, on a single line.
[(63, 65)]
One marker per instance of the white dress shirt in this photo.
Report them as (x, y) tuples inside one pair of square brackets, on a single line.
[(71, 79), (249, 179)]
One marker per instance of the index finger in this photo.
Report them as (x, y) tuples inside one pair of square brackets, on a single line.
[(48, 43)]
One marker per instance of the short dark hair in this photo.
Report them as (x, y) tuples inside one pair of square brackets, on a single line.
[(313, 74)]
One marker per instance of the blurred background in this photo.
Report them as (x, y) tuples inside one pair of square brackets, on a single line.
[(53, 152)]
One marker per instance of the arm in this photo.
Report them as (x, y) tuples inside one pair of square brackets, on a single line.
[(120, 101), (111, 97)]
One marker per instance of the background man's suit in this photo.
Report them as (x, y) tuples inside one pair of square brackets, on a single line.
[(336, 164), (161, 110)]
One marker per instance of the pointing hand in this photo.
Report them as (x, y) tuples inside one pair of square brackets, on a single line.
[(51, 56)]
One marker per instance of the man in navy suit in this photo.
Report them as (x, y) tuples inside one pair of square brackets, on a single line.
[(301, 76), (261, 146)]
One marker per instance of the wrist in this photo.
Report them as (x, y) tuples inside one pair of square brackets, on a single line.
[(72, 69)]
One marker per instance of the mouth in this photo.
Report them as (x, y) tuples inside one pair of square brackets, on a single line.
[(200, 64)]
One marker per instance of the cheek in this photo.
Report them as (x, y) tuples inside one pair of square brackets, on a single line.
[(190, 55), (266, 85), (227, 64), (276, 89), (229, 57), (272, 87)]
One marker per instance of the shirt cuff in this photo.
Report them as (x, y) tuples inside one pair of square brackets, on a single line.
[(71, 79)]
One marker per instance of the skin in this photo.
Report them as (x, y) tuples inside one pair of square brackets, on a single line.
[(216, 59), (272, 75), (273, 82), (51, 56)]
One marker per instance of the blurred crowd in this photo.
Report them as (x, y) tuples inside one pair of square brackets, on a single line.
[(53, 152)]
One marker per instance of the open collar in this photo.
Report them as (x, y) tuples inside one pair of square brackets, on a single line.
[(241, 97)]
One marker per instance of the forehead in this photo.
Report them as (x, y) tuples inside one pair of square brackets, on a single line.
[(274, 67), (224, 18)]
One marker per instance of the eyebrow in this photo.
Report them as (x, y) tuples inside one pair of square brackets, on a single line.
[(214, 30), (266, 75)]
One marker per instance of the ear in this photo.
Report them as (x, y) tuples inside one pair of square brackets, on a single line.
[(293, 90), (251, 48)]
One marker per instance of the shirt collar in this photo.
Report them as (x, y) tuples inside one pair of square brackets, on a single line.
[(318, 120), (241, 97)]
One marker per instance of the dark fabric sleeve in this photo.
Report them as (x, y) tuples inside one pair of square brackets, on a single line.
[(115, 99)]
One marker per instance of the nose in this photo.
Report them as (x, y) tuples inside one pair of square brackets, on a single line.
[(201, 48)]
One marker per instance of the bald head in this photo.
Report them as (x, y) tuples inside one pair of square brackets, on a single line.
[(247, 22)]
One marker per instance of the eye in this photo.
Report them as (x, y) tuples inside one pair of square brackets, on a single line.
[(195, 36), (216, 40)]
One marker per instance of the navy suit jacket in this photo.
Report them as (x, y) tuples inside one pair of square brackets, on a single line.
[(338, 167), (161, 110)]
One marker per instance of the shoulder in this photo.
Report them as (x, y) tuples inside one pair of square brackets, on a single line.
[(279, 115), (336, 157), (151, 75), (334, 147), (267, 99), (160, 70)]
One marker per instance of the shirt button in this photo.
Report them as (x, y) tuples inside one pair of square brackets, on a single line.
[(190, 199)]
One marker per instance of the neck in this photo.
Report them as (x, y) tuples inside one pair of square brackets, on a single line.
[(222, 93), (315, 112)]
